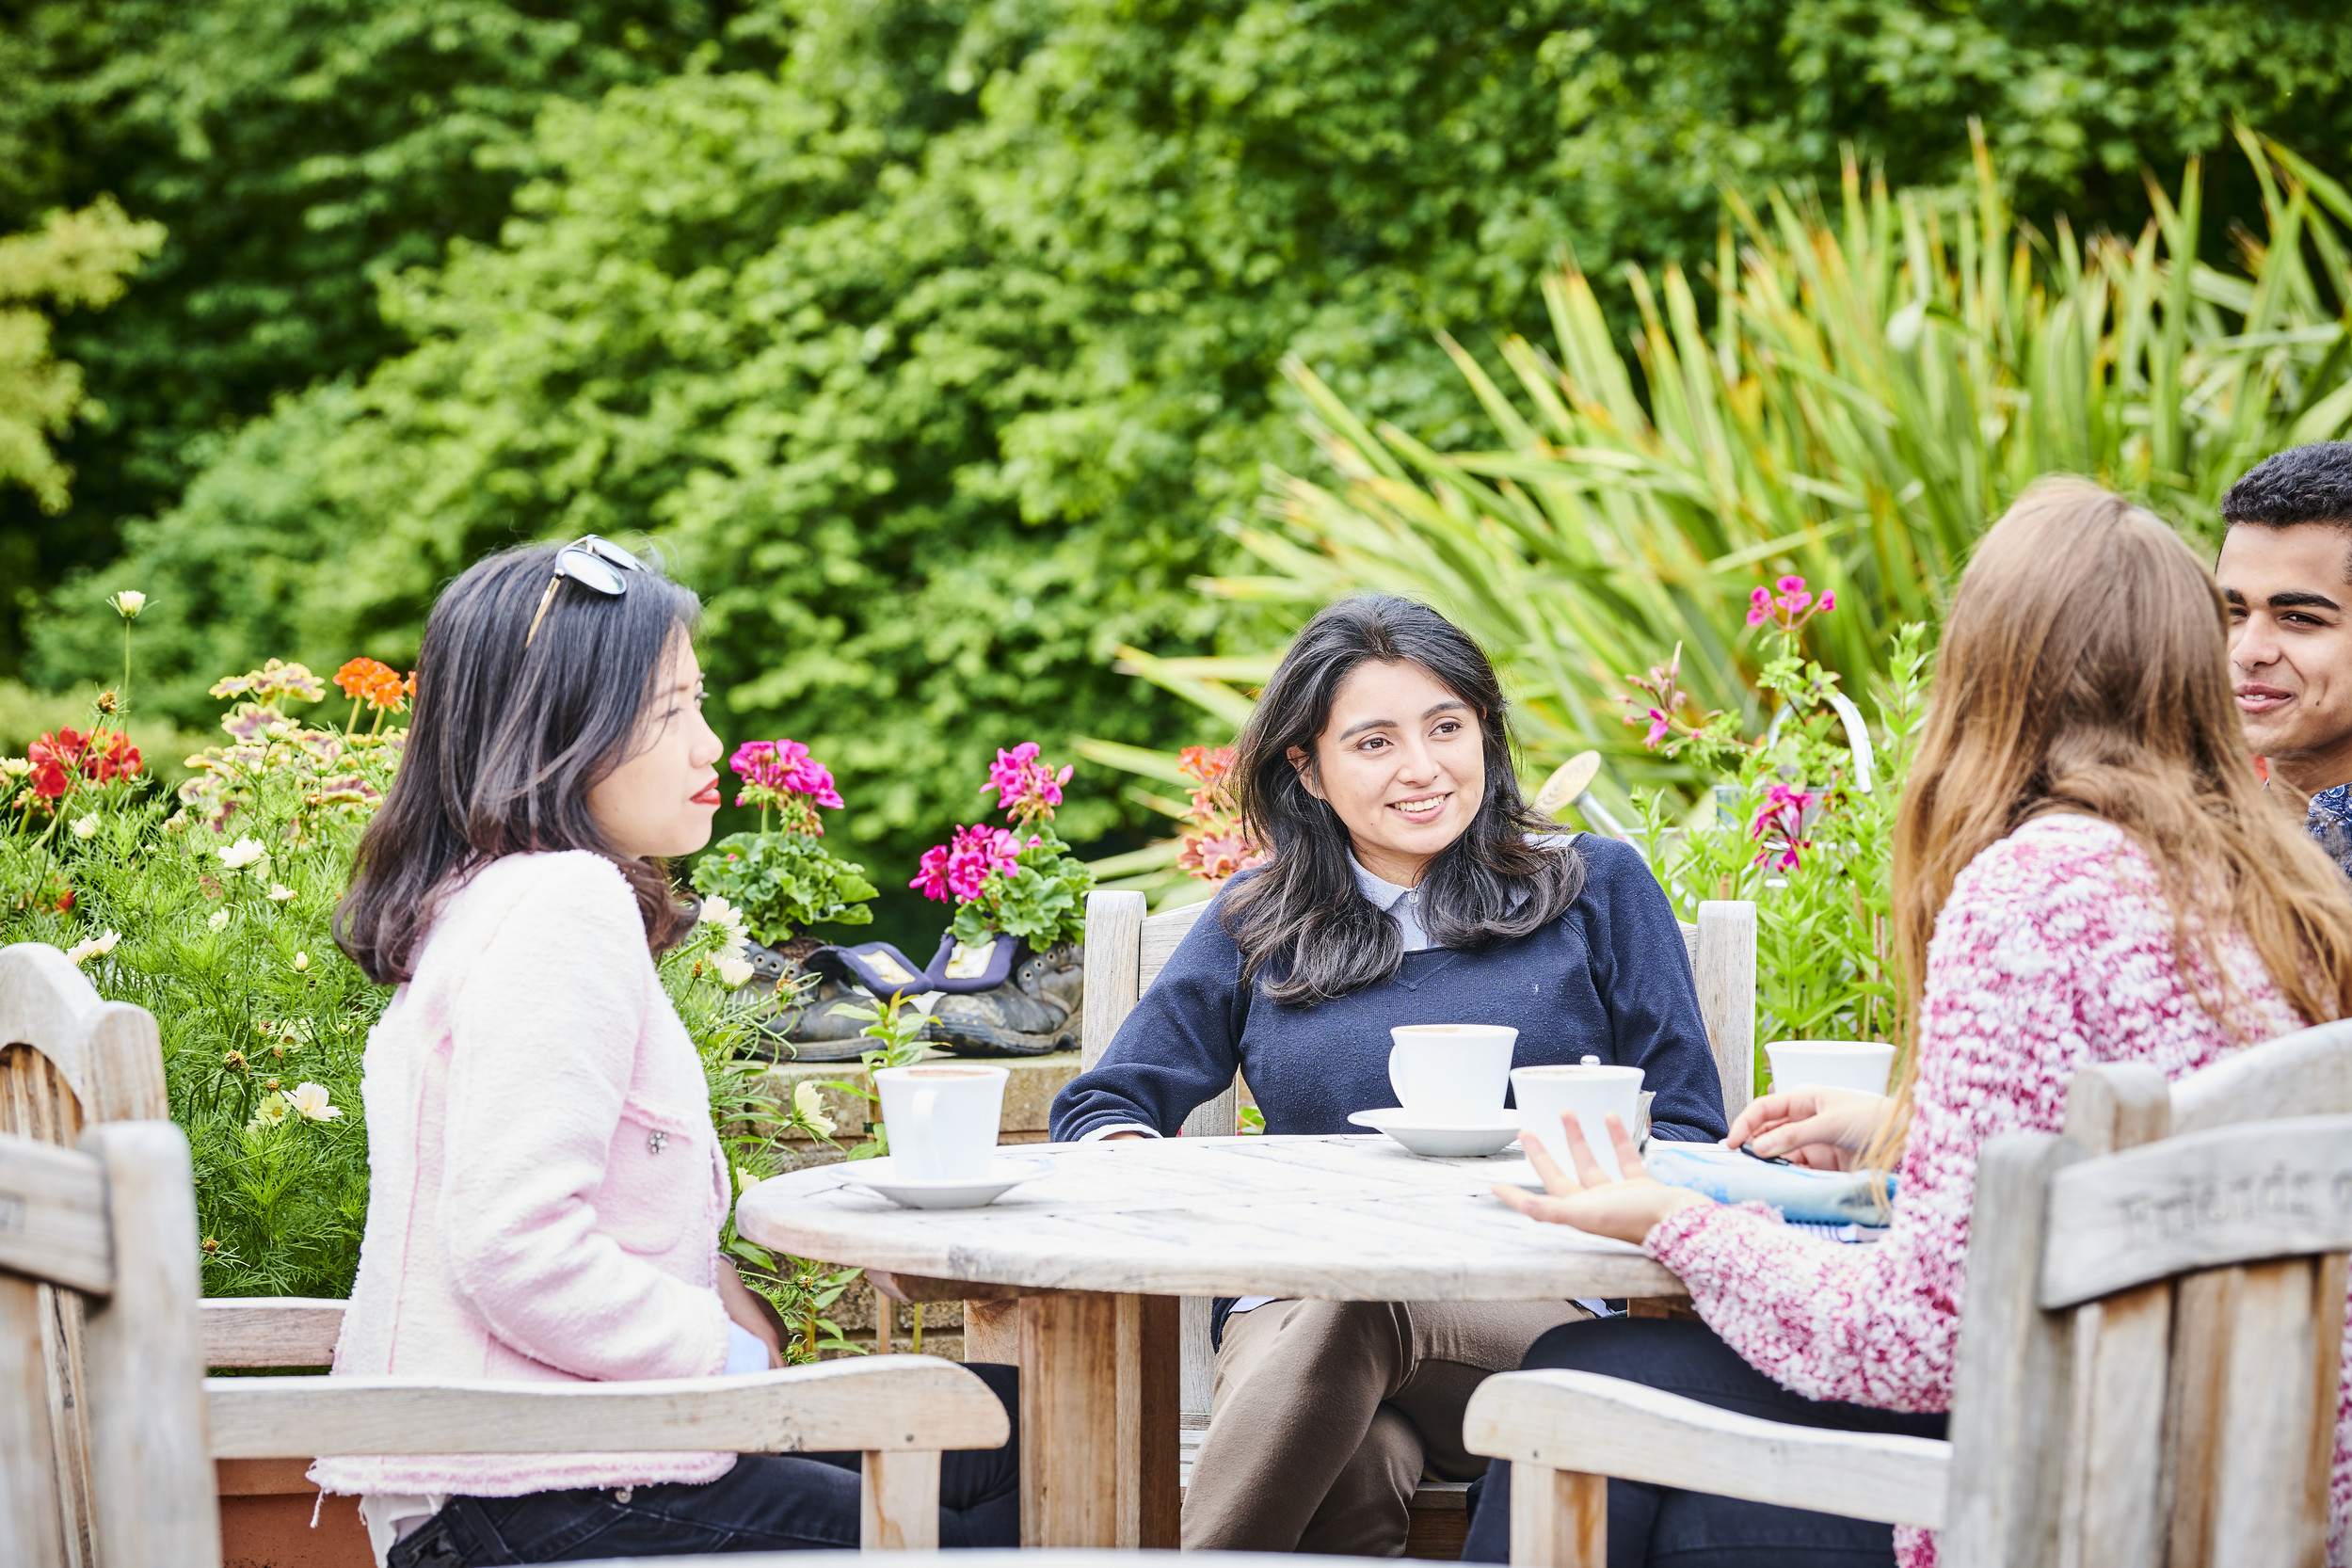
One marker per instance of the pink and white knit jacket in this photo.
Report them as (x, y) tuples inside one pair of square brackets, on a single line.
[(2054, 950), (545, 1187)]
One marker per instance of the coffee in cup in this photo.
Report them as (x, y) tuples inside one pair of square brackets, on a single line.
[(1451, 1075), (942, 1118), (1588, 1092)]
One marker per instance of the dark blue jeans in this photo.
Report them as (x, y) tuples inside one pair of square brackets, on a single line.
[(1655, 1526), (766, 1503)]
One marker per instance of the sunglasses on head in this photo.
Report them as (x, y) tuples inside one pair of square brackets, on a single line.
[(598, 565)]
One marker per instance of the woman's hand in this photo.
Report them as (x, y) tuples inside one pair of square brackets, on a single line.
[(751, 1313), (1589, 1200), (1824, 1129)]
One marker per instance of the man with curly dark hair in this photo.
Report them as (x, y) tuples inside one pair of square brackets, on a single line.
[(2286, 572)]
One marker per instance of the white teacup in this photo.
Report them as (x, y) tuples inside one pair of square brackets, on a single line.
[(1451, 1075), (942, 1118), (1862, 1064), (1588, 1092)]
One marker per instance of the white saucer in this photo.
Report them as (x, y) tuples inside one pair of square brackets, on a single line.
[(1442, 1142), (1004, 1176)]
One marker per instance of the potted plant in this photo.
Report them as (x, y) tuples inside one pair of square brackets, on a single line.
[(1010, 960), (781, 880)]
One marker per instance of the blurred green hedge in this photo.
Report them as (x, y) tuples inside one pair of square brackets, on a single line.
[(934, 355)]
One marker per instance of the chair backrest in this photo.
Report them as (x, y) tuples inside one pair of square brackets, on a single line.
[(68, 1059), (2148, 1352), (109, 1226), (1125, 950)]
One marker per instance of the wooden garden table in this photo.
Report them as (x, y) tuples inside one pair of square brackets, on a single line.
[(1076, 1278)]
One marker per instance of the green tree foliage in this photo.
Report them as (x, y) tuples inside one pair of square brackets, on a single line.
[(298, 150), (933, 358), (74, 259)]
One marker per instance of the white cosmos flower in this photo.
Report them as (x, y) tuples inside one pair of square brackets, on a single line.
[(272, 1109), (96, 947), (218, 919), (85, 827), (244, 853), (310, 1099), (301, 962), (721, 916), (734, 968), (279, 894), (809, 1104), (128, 604)]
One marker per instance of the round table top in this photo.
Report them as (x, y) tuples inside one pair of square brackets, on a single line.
[(1354, 1217)]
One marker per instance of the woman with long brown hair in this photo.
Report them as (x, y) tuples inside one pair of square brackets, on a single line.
[(2085, 870)]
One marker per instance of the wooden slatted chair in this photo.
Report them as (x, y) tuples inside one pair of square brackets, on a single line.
[(68, 1059), (112, 1224), (2147, 1358), (1125, 950)]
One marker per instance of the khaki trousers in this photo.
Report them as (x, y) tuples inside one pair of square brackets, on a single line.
[(1326, 1413)]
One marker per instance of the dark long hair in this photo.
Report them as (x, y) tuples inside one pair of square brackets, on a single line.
[(506, 743), (1301, 921)]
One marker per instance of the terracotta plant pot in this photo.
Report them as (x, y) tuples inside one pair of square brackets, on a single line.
[(266, 1512)]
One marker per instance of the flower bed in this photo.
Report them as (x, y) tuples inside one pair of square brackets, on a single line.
[(213, 908)]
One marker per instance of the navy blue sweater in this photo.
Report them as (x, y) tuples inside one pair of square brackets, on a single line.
[(1607, 979)]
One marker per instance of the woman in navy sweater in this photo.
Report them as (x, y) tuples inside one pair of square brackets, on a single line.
[(1408, 883)]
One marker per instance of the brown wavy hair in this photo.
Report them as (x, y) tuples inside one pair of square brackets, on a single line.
[(2084, 669)]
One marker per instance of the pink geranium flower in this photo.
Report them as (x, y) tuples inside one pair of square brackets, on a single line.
[(780, 776), (958, 870), (1026, 788)]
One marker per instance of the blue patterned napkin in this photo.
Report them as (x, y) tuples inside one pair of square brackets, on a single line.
[(1816, 1197)]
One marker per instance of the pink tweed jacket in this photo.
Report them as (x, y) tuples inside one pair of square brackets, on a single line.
[(2055, 952), (545, 1189)]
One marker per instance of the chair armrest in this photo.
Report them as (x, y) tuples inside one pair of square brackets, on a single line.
[(887, 1404), (270, 1331), (1603, 1426)]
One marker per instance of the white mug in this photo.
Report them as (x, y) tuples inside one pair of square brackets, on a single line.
[(1588, 1092), (1862, 1064), (1451, 1075), (942, 1118)]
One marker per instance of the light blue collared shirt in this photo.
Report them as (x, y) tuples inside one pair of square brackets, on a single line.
[(1400, 904)]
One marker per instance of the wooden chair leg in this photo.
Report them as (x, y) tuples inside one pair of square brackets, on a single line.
[(898, 1499), (1559, 1518)]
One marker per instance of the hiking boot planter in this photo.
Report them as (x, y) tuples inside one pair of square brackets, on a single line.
[(1032, 1009), (812, 1027), (1016, 889), (785, 1014), (809, 1028)]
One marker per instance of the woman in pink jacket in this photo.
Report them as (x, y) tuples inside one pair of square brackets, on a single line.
[(546, 1190), (2084, 870)]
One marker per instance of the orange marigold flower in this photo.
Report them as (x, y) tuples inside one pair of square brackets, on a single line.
[(376, 684)]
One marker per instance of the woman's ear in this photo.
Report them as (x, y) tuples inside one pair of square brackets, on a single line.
[(1306, 766)]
